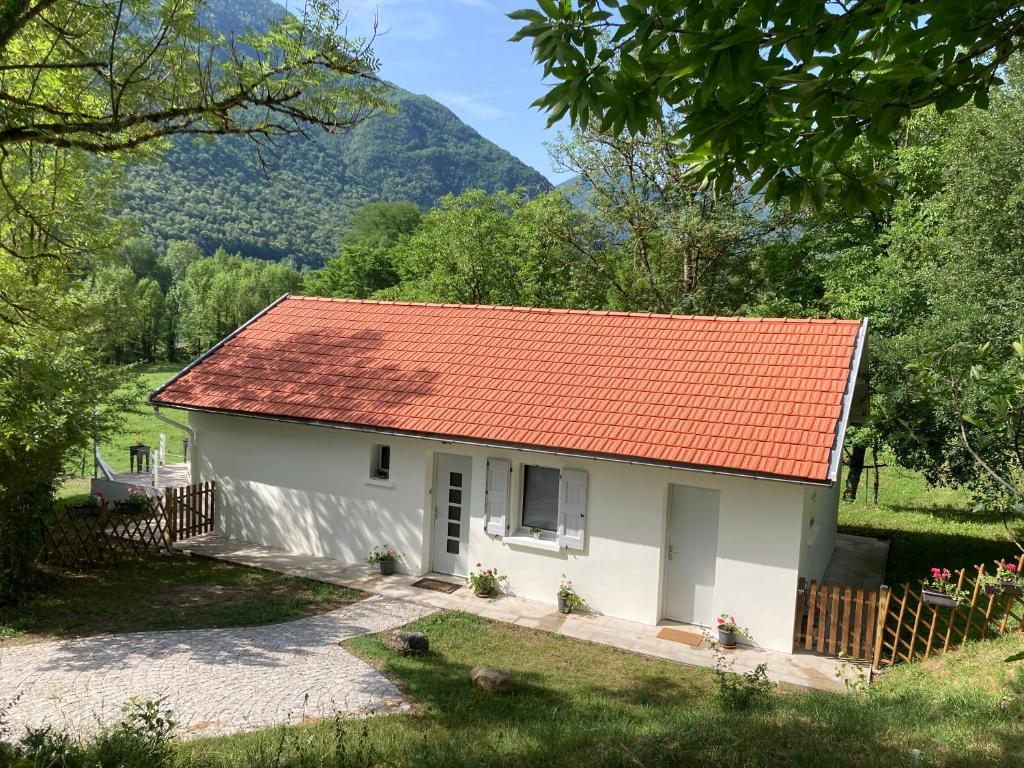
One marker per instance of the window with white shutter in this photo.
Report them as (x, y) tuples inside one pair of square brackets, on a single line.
[(496, 496), (572, 508)]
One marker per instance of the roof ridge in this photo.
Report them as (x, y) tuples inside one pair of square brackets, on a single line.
[(591, 312)]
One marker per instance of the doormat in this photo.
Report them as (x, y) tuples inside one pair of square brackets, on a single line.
[(436, 585), (686, 636)]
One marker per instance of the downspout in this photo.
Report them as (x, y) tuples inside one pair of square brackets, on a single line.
[(183, 427)]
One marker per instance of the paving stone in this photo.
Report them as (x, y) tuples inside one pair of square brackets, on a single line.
[(217, 681)]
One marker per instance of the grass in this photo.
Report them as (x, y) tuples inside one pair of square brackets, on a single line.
[(582, 704), (169, 592), (926, 527), (142, 425)]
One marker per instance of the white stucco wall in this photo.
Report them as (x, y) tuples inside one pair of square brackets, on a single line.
[(820, 519), (306, 488)]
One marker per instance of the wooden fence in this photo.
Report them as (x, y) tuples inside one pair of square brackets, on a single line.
[(910, 629), (886, 627), (113, 532), (836, 620)]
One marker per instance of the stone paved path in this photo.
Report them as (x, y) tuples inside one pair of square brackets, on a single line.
[(217, 681)]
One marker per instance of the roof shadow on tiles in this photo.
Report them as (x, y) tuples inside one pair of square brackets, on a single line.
[(308, 374)]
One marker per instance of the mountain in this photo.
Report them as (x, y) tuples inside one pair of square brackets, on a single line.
[(215, 193)]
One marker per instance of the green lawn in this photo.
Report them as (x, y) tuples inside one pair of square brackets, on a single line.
[(927, 527), (170, 592), (579, 704), (142, 425)]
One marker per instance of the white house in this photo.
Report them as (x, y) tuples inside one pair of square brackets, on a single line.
[(676, 467)]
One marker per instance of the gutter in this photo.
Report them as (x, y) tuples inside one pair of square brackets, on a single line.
[(844, 419), (184, 427)]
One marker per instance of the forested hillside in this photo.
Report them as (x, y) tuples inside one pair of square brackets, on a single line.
[(215, 193)]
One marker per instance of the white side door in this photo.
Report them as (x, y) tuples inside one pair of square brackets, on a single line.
[(691, 552), (452, 475)]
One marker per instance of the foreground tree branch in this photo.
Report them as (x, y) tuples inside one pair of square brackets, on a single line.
[(111, 75)]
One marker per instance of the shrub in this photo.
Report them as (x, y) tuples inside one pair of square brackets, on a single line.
[(740, 691), (140, 739)]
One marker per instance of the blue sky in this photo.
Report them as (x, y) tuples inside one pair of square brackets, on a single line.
[(457, 52)]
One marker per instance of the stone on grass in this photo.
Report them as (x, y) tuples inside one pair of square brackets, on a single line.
[(406, 643), (491, 679)]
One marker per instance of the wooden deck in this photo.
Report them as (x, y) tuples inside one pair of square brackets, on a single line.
[(170, 476)]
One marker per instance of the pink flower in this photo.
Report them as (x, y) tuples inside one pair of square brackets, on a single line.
[(478, 565), (721, 620), (1011, 567), (936, 572), (490, 570)]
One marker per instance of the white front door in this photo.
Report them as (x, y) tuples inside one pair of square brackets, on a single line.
[(451, 513), (692, 549)]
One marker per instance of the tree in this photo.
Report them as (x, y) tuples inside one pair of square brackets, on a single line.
[(775, 93), (109, 75), (381, 225), (496, 249), (985, 391), (49, 385), (87, 85), (667, 246), (358, 271), (221, 292)]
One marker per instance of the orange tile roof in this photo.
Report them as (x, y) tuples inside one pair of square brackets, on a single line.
[(744, 395)]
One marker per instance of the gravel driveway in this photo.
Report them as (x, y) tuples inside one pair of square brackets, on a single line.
[(217, 681)]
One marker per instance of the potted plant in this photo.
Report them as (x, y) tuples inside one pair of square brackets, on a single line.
[(138, 503), (89, 507), (485, 582), (941, 590), (568, 597), (1006, 580), (729, 631), (535, 532), (385, 556)]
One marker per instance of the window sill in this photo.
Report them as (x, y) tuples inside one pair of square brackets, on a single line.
[(527, 541), (380, 482)]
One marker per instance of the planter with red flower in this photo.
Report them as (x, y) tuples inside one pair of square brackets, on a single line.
[(1007, 580), (729, 631), (940, 589), (485, 582), (138, 503)]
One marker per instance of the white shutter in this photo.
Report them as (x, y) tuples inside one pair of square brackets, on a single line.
[(499, 478), (572, 508)]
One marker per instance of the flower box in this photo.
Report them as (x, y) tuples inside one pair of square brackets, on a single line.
[(995, 588), (933, 597)]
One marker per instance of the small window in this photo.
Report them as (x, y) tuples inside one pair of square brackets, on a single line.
[(540, 498), (381, 469)]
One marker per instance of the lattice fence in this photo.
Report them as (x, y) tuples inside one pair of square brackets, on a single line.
[(909, 628), (112, 532), (887, 627)]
